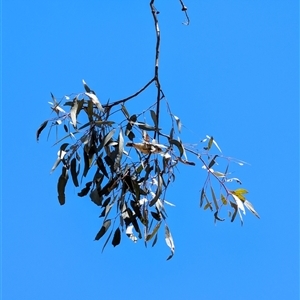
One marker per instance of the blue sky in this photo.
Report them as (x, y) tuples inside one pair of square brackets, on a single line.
[(233, 73)]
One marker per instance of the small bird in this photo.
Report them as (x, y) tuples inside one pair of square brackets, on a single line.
[(146, 148)]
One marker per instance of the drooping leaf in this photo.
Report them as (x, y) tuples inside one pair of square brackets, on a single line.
[(103, 229), (214, 198), (224, 201), (154, 118), (208, 205), (41, 128), (73, 172), (117, 237), (235, 207), (169, 241), (251, 208), (85, 190), (101, 166), (73, 113), (217, 217), (190, 163), (125, 111), (158, 191), (212, 162), (239, 203), (178, 145), (66, 128), (146, 127), (210, 142), (178, 122), (87, 89), (95, 101), (202, 197), (62, 181), (155, 240), (107, 240), (156, 216), (151, 235), (94, 195), (120, 151), (107, 138)]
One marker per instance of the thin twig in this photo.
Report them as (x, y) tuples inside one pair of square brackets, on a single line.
[(184, 9)]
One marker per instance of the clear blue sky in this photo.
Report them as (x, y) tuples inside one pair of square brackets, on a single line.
[(233, 73)]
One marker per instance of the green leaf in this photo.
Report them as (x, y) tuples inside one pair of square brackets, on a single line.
[(169, 241), (107, 138), (214, 198), (150, 236), (147, 127), (94, 195), (87, 89), (155, 240), (158, 191), (208, 205), (224, 201), (217, 217), (202, 197), (41, 128), (125, 111), (178, 145), (178, 122), (210, 142), (85, 190), (117, 237), (251, 208), (73, 113), (154, 118), (103, 229), (235, 207), (120, 151), (73, 172), (62, 181), (212, 162), (107, 240)]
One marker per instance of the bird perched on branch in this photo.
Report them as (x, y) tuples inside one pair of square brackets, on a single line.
[(146, 148)]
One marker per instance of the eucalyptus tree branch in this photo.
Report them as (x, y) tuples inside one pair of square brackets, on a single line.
[(184, 9)]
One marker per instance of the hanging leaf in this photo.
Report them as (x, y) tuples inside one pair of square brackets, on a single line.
[(87, 89), (202, 197), (95, 101), (66, 128), (235, 207), (101, 166), (217, 217), (224, 201), (125, 111), (251, 208), (178, 145), (147, 127), (94, 195), (239, 203), (103, 229), (158, 191), (73, 113), (117, 237), (212, 162), (240, 193), (150, 236), (154, 118), (169, 241), (107, 240), (155, 240), (210, 142), (62, 181), (214, 198), (120, 151), (85, 190), (73, 172), (41, 128), (178, 122), (107, 138)]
